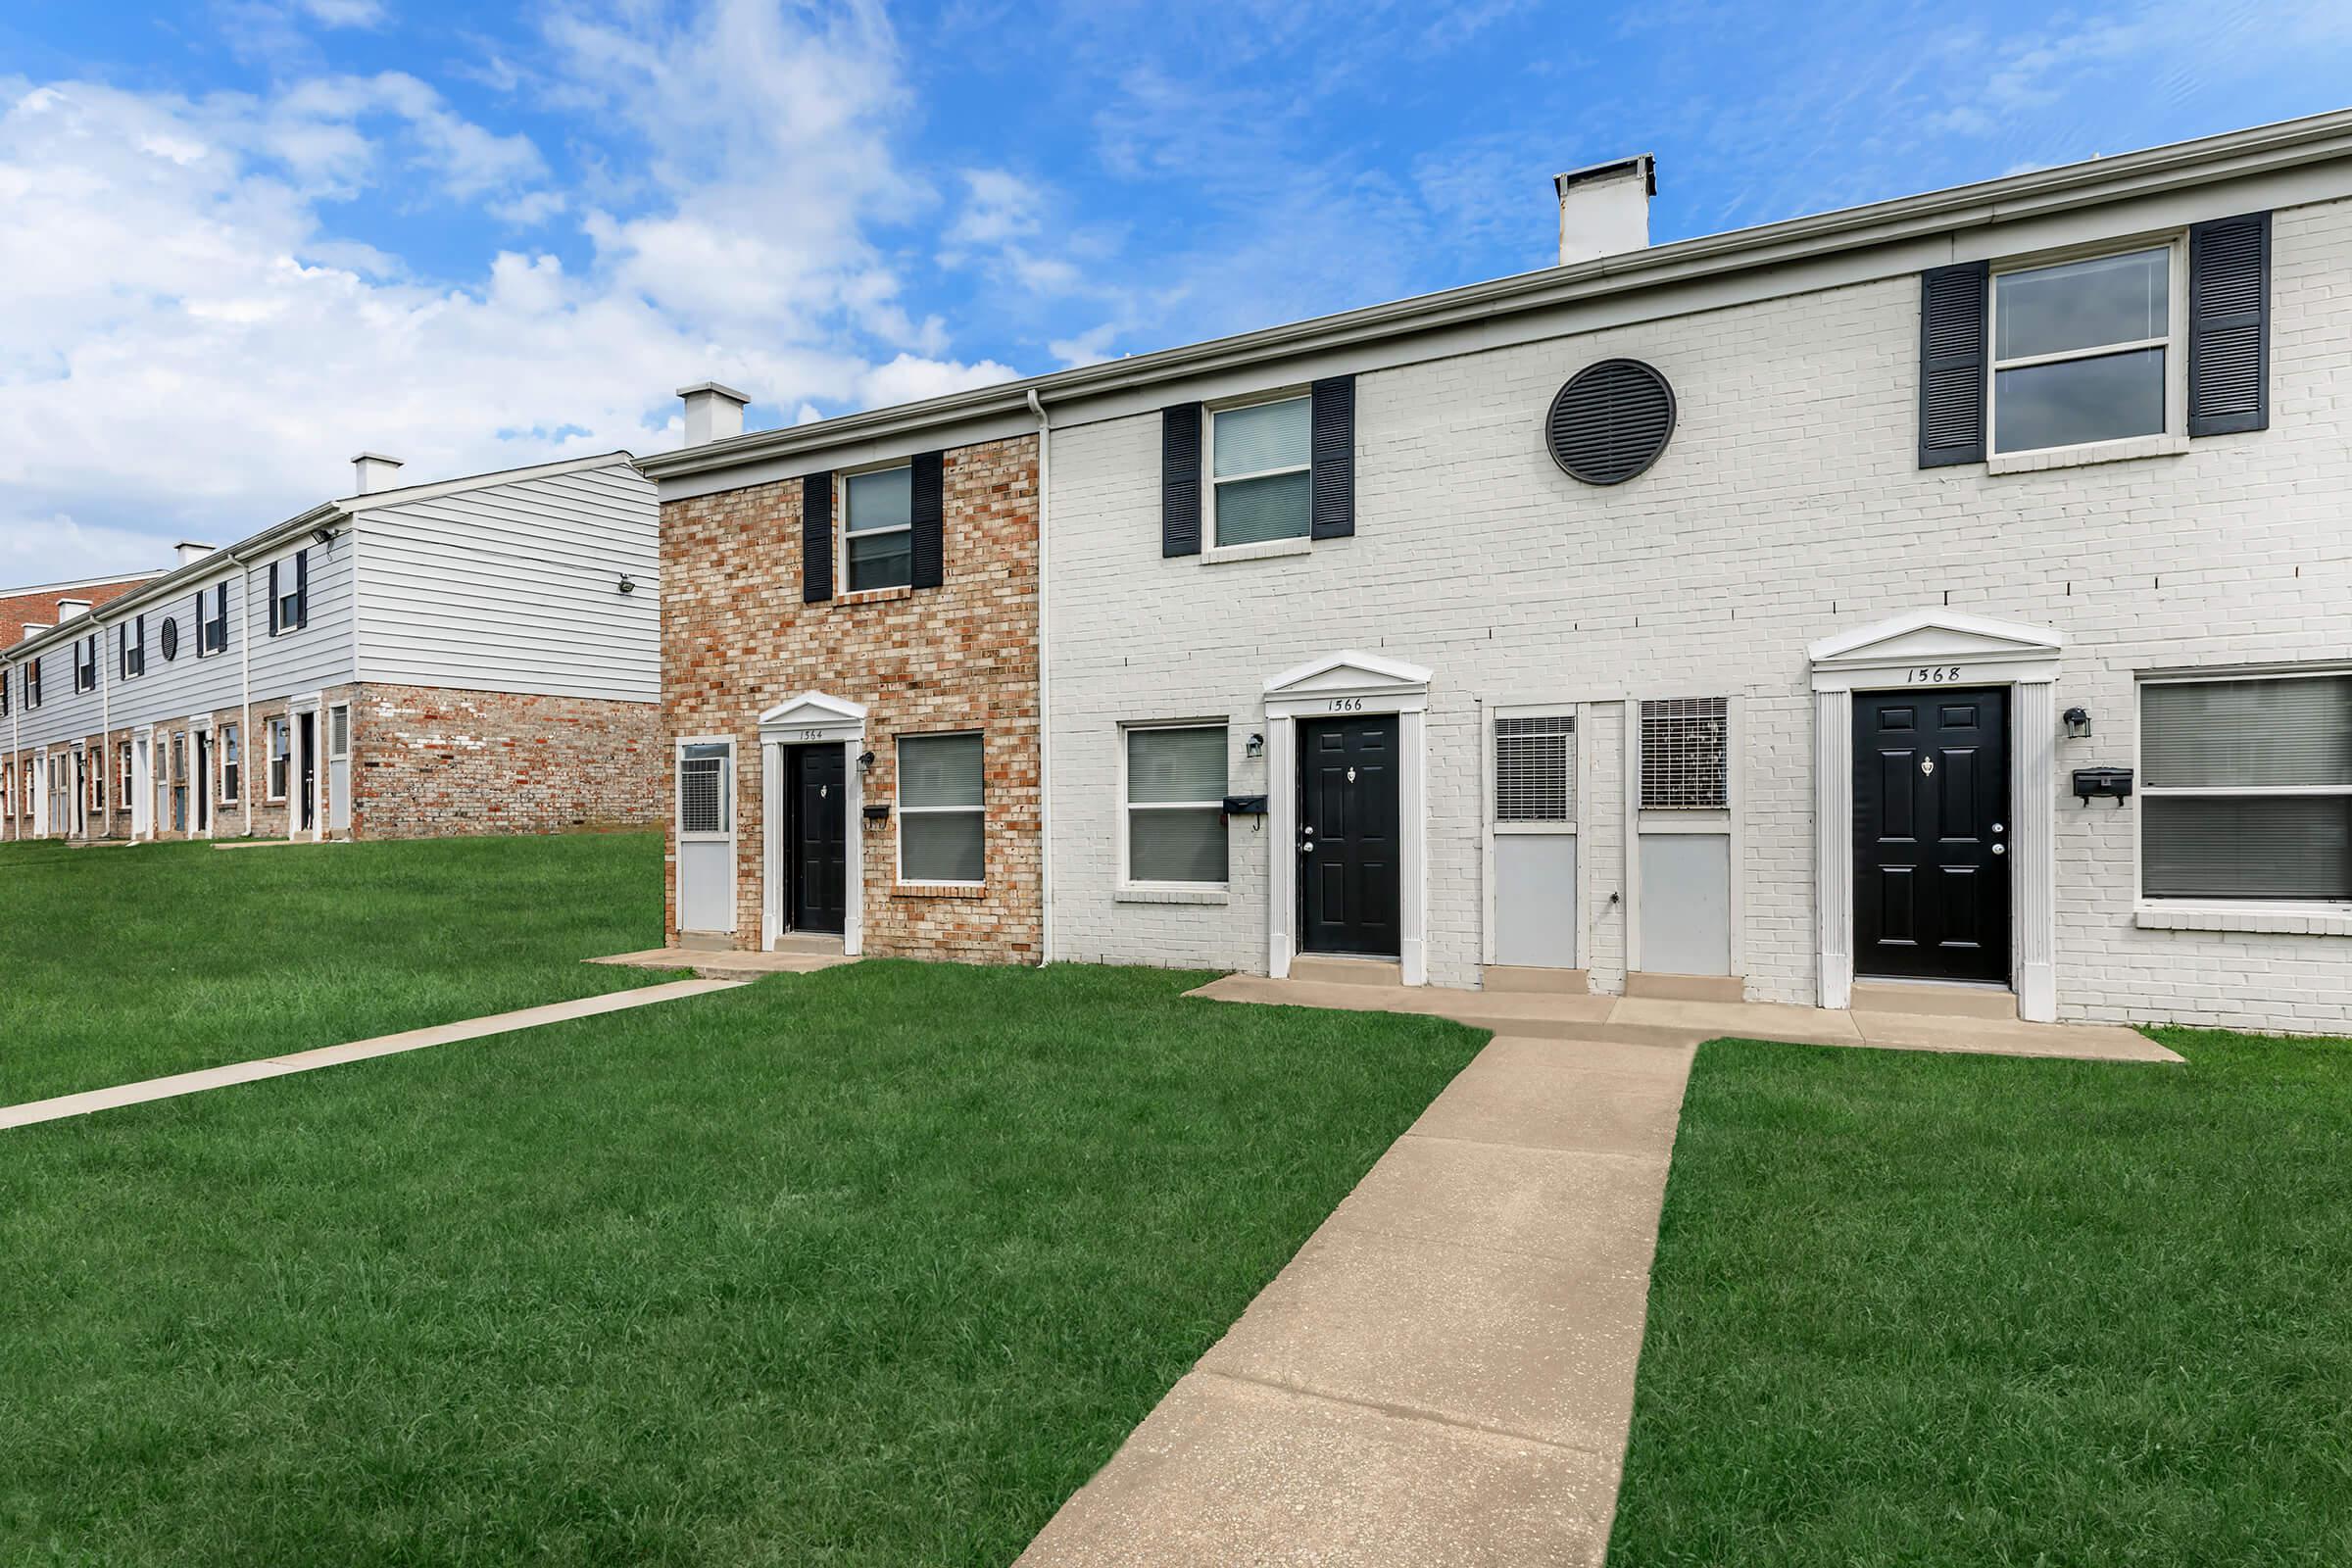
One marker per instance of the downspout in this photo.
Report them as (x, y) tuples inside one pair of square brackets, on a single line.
[(1045, 708), (105, 732), (245, 778)]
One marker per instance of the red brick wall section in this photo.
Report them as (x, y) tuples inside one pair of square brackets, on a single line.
[(736, 639), (431, 761), (38, 606)]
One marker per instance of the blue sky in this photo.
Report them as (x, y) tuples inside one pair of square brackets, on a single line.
[(241, 241)]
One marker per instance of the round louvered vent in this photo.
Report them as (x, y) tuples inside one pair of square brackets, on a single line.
[(169, 637), (1610, 421)]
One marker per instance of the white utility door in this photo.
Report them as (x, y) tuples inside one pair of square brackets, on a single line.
[(142, 789), (1535, 841), (706, 819), (338, 768)]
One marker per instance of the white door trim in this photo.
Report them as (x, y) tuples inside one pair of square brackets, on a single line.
[(812, 718), (142, 782), (1347, 684), (1922, 651)]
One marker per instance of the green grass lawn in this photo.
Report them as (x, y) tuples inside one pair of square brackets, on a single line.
[(1923, 1310), (869, 1266), (118, 964)]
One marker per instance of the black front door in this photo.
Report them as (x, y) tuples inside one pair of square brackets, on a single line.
[(816, 794), (1348, 840), (204, 780), (306, 756), (1932, 834)]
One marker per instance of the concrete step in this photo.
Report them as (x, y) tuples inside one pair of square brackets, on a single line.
[(1321, 968), (1548, 982), (1686, 987), (1926, 999), (808, 942)]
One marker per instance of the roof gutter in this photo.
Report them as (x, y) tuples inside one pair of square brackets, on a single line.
[(2260, 150)]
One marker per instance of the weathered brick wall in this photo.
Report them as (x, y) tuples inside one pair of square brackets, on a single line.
[(736, 640), (1789, 507), (431, 761)]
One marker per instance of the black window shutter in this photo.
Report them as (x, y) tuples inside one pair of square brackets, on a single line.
[(1334, 456), (929, 515), (2230, 324), (273, 598), (1951, 364), (302, 587), (1180, 480), (201, 648), (816, 538)]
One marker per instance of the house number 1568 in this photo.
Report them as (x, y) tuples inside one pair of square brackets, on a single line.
[(1934, 674)]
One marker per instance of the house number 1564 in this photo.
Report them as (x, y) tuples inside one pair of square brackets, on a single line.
[(1934, 674)]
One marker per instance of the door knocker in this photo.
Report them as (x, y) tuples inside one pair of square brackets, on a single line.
[(1927, 766)]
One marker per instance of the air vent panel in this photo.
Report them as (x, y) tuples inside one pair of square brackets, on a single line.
[(1610, 422)]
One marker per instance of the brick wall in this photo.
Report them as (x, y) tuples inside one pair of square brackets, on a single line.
[(431, 761), (1789, 508), (737, 640)]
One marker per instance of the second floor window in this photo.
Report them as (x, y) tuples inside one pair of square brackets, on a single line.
[(85, 664), (291, 593), (1260, 467), (2081, 351), (32, 683), (211, 620), (877, 528)]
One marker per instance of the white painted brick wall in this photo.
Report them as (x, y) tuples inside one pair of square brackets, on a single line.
[(1789, 507)]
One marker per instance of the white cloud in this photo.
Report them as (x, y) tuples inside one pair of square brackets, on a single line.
[(191, 347)]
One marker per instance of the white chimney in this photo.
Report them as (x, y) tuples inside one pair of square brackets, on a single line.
[(1604, 209), (30, 632), (68, 608), (374, 472), (713, 412), (190, 552)]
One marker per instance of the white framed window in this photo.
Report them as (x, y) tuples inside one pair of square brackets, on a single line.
[(1685, 754), (705, 794), (2086, 351), (1172, 802), (942, 806), (2246, 787), (1261, 470), (877, 528), (281, 751), (229, 760)]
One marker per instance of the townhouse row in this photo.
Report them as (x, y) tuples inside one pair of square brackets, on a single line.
[(1950, 591), (473, 656)]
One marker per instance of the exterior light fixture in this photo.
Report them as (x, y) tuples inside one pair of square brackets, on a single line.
[(866, 762), (628, 584), (1255, 746), (2077, 724), (326, 536)]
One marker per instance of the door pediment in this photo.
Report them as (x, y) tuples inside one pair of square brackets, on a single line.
[(791, 719), (1385, 685), (1956, 649)]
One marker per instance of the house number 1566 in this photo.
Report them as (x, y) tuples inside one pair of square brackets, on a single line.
[(1347, 704), (1934, 674)]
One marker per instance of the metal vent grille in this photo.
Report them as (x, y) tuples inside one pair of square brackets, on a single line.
[(1535, 769), (1685, 748), (1610, 421), (701, 801)]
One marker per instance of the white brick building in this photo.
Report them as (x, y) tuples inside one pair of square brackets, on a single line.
[(1854, 614)]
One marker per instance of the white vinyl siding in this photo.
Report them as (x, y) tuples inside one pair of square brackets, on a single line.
[(2246, 789), (514, 587)]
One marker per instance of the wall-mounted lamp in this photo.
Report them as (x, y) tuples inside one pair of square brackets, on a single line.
[(2077, 724), (1255, 746), (326, 536), (628, 584), (866, 762)]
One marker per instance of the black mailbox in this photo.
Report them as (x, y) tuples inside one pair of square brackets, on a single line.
[(1244, 805), (2103, 783), (877, 813)]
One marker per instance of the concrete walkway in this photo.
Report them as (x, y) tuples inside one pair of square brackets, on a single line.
[(718, 963), (1445, 1373), (245, 1072), (1560, 1016)]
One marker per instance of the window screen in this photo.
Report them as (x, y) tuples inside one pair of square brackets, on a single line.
[(2247, 789), (703, 789), (1535, 769), (1685, 754)]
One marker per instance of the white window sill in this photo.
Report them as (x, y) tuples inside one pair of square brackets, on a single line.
[(1147, 895), (1267, 549), (2284, 919), (873, 596), (2139, 446)]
